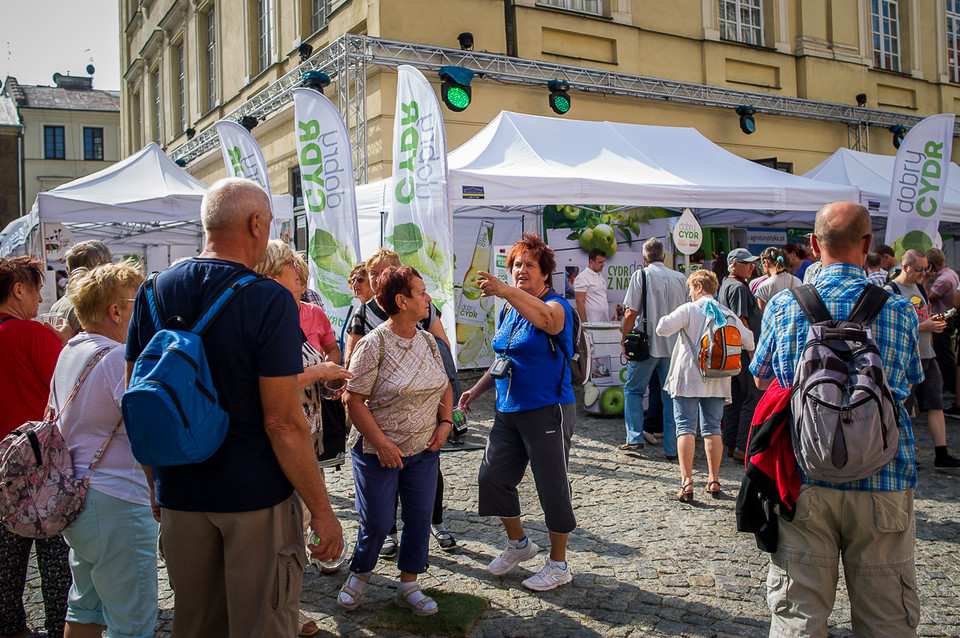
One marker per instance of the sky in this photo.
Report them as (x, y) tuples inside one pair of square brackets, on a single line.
[(41, 37)]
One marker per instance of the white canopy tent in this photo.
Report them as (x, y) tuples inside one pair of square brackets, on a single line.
[(872, 174), (145, 200), (527, 161)]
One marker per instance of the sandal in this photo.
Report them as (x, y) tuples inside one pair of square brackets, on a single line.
[(416, 608), (445, 540), (351, 592), (308, 626), (715, 493), (685, 495)]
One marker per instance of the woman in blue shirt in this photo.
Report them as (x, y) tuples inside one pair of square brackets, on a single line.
[(535, 411)]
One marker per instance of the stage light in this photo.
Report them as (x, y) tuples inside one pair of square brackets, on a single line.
[(182, 163), (190, 133), (899, 131), (305, 50), (455, 89), (317, 80), (747, 124), (559, 98), (861, 99), (248, 122), (466, 40)]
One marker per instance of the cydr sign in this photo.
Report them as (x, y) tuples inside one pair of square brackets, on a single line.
[(687, 234)]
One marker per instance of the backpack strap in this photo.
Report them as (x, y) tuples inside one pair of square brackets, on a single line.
[(94, 360), (894, 287), (869, 304), (214, 309), (811, 303), (148, 288)]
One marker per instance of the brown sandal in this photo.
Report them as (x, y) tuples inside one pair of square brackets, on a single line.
[(715, 493), (685, 495)]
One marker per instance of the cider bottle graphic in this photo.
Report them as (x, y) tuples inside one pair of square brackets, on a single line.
[(471, 315)]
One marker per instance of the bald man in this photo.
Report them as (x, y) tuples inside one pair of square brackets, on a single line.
[(232, 525), (866, 524)]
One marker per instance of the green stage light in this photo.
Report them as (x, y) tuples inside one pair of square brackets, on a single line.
[(559, 98), (455, 90), (747, 124)]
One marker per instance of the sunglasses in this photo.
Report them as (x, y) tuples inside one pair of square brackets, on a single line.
[(357, 280)]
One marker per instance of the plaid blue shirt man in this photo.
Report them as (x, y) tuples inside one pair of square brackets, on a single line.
[(784, 333)]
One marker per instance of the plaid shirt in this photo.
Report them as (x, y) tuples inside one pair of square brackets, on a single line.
[(784, 333)]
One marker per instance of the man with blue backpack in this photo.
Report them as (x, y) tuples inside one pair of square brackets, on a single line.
[(215, 418)]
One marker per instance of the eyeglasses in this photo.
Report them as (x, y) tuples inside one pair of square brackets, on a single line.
[(357, 280), (293, 263)]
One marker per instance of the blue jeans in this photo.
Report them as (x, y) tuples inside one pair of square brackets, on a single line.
[(376, 491), (687, 409), (638, 378)]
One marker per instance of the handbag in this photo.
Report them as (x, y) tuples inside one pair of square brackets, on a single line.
[(40, 493), (636, 345)]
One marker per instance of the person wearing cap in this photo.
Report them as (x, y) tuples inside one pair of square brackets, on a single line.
[(736, 296)]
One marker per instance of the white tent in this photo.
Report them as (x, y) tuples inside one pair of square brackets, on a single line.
[(13, 236), (144, 200), (872, 174), (528, 160)]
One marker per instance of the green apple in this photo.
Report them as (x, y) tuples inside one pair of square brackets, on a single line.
[(586, 240), (604, 239), (611, 401)]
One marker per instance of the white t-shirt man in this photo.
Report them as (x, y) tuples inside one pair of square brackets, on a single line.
[(592, 287)]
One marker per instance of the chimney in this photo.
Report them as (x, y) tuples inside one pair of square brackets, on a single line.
[(73, 82)]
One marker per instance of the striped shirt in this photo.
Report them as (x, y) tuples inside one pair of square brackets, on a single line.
[(784, 333)]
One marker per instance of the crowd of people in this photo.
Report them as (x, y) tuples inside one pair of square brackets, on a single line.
[(238, 529)]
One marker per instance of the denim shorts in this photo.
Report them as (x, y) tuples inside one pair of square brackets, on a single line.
[(113, 559), (686, 410)]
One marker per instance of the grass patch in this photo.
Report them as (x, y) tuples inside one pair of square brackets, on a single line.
[(456, 616)]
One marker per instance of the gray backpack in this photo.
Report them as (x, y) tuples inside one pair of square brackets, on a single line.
[(845, 421)]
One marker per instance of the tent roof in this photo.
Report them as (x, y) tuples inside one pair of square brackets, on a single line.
[(146, 187), (522, 159), (872, 174)]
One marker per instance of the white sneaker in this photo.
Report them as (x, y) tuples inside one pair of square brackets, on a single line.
[(548, 578), (511, 557)]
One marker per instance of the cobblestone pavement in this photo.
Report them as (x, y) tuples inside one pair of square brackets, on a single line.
[(643, 563)]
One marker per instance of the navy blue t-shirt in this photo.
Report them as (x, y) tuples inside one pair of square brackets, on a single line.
[(257, 334), (540, 374)]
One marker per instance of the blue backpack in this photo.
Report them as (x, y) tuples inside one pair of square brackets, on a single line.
[(171, 410)]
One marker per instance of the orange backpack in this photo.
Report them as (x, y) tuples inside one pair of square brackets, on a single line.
[(718, 349)]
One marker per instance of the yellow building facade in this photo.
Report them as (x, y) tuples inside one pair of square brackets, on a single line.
[(189, 63)]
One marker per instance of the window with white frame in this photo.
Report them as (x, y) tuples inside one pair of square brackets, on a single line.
[(741, 21), (264, 33), (210, 57), (319, 14), (157, 109), (181, 90), (585, 6), (953, 39), (885, 28)]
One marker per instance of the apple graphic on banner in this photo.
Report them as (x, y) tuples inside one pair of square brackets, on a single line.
[(586, 240), (570, 212), (611, 401), (604, 239), (590, 393)]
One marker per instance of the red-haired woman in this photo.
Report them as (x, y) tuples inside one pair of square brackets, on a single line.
[(535, 411)]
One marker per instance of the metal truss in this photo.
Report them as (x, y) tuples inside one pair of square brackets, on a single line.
[(346, 60), (858, 137)]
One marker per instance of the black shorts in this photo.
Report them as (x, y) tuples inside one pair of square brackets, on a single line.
[(928, 393)]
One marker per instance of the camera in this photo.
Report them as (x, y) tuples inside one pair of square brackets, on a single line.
[(501, 368)]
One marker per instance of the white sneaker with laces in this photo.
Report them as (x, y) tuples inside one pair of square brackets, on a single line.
[(550, 577), (511, 557)]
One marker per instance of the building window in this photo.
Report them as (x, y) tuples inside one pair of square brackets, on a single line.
[(319, 14), (264, 33), (53, 142), (885, 24), (953, 39), (157, 109), (137, 121), (92, 143), (585, 6), (741, 21), (296, 187), (211, 59), (181, 91)]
